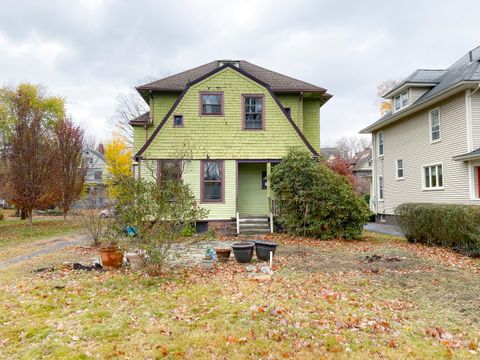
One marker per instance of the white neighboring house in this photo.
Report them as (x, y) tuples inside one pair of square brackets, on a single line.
[(96, 166), (361, 165), (427, 149)]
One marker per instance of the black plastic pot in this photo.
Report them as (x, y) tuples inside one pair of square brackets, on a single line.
[(263, 248), (243, 251)]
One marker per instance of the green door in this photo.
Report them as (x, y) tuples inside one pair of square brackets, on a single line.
[(252, 192)]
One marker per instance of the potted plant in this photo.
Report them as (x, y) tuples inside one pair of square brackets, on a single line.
[(263, 249), (111, 253), (243, 251), (223, 255)]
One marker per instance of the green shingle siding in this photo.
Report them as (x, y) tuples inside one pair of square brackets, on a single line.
[(217, 211), (293, 101), (222, 137), (311, 123)]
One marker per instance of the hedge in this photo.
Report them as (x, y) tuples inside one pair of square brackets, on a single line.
[(454, 226)]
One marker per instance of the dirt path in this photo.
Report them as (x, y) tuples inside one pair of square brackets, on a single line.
[(45, 247)]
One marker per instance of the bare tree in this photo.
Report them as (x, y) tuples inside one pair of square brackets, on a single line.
[(349, 146), (128, 106), (69, 142)]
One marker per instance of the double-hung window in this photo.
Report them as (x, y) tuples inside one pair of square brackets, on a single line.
[(400, 169), (253, 112), (433, 177), (380, 188), (400, 101), (168, 170), (380, 144), (212, 177), (211, 103), (435, 125)]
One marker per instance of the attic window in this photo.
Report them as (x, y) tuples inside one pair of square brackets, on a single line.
[(400, 101), (235, 63)]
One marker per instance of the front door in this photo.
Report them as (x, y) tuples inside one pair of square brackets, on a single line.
[(252, 189)]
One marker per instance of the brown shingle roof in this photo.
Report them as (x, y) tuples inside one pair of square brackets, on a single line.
[(277, 82), (143, 119)]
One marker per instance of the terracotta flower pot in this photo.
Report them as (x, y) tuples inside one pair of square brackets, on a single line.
[(223, 255), (111, 257)]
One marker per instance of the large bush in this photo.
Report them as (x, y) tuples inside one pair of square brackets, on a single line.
[(315, 201), (455, 226)]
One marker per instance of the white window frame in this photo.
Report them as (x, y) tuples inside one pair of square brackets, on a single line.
[(432, 141), (400, 97), (380, 198), (424, 187), (397, 168), (383, 144)]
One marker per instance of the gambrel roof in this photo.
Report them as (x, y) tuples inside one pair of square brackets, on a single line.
[(277, 82)]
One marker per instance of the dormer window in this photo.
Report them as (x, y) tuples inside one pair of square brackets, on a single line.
[(400, 101)]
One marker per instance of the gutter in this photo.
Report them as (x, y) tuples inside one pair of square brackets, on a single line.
[(414, 108)]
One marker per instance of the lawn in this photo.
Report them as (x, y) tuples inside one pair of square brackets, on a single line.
[(19, 231), (325, 300)]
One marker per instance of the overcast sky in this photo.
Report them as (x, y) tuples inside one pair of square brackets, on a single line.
[(90, 51)]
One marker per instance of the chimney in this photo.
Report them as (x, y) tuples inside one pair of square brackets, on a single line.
[(101, 149)]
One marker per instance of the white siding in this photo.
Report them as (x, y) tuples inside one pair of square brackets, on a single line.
[(415, 93), (475, 103), (410, 139)]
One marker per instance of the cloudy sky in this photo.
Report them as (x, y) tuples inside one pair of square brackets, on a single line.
[(89, 51)]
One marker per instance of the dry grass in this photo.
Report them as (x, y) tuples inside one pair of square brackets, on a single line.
[(325, 301)]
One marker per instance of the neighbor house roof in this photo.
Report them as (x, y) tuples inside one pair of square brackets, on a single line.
[(277, 82), (475, 154), (360, 159), (465, 70), (329, 152)]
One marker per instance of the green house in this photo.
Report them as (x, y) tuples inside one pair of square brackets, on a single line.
[(220, 127)]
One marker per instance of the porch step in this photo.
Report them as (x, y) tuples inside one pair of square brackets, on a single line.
[(252, 225)]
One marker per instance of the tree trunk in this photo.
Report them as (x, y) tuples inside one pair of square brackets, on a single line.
[(30, 217), (23, 214)]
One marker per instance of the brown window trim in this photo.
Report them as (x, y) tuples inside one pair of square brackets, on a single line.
[(244, 120), (222, 105), (222, 183), (159, 169), (178, 126)]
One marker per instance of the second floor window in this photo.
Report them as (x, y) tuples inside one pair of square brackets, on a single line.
[(211, 103), (435, 125), (97, 175), (380, 144), (178, 121), (253, 112)]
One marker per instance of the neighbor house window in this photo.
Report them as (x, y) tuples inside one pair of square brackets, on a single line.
[(253, 112), (168, 170), (380, 188), (212, 181), (435, 125), (211, 103), (178, 121), (400, 170), (97, 175), (400, 101), (380, 144), (433, 176)]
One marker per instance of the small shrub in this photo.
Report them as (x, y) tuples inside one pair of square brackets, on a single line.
[(448, 225), (316, 201)]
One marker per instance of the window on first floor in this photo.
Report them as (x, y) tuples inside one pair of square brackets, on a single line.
[(380, 188), (264, 180), (212, 177), (400, 169), (168, 170), (433, 176), (97, 175)]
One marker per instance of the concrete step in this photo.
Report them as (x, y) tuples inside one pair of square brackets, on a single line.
[(254, 231), (253, 220), (254, 225)]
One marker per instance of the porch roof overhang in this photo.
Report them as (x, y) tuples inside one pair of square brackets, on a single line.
[(473, 155)]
